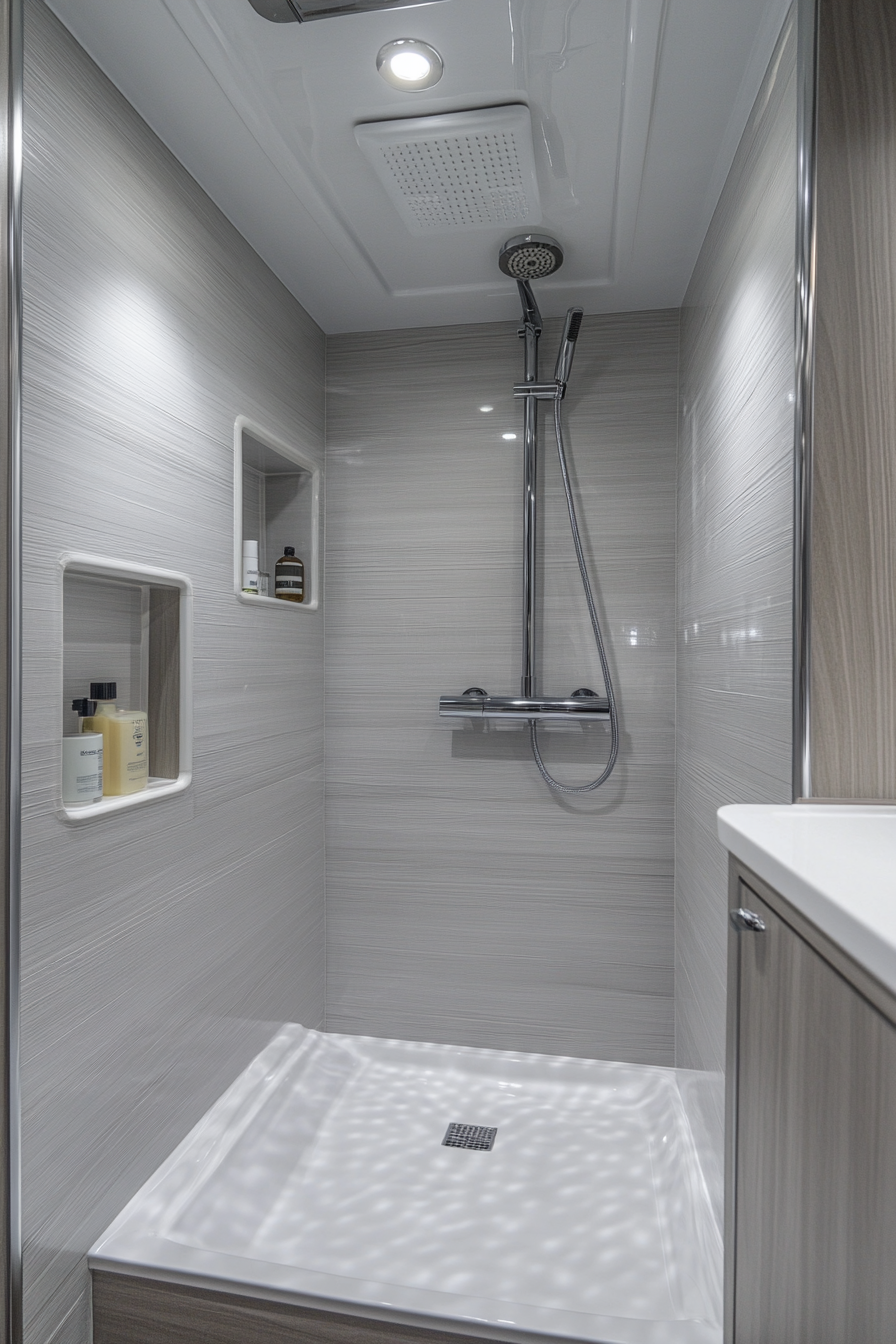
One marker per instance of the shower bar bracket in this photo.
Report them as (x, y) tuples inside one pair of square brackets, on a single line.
[(582, 706), (540, 391)]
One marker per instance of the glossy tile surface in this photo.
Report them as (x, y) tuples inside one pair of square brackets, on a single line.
[(467, 903), (323, 1169), (734, 542), (158, 945)]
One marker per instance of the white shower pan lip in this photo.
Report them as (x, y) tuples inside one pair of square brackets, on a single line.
[(322, 1129)]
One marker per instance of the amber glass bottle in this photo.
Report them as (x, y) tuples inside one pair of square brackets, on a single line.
[(289, 576)]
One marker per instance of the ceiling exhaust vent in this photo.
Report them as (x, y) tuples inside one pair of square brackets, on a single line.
[(303, 11), (464, 170)]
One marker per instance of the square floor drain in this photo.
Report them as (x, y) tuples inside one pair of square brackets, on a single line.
[(480, 1137)]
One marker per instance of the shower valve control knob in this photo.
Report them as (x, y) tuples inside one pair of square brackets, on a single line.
[(746, 920)]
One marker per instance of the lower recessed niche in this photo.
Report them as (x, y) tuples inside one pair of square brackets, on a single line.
[(276, 491), (131, 624)]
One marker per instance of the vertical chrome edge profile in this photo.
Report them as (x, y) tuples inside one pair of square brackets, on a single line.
[(14, 17), (731, 1065), (807, 15)]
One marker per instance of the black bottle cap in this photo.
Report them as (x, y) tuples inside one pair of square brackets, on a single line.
[(103, 690), (85, 709), (289, 550)]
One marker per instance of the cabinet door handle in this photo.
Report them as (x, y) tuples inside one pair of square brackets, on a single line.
[(745, 919)]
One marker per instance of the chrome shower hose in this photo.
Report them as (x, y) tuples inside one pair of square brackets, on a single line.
[(598, 637)]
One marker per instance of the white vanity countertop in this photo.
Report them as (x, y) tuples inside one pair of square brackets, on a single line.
[(836, 864)]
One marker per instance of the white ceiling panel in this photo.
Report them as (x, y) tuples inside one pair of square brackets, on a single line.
[(636, 109)]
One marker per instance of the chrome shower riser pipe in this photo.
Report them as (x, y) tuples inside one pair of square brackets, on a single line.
[(530, 332)]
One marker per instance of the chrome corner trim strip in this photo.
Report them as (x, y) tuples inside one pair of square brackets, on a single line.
[(15, 56), (732, 1051), (806, 243)]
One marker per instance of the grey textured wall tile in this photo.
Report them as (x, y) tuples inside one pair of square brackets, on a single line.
[(160, 945), (735, 538), (465, 901)]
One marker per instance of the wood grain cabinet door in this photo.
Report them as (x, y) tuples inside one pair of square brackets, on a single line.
[(814, 1148)]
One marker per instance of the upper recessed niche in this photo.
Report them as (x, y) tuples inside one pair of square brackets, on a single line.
[(276, 492)]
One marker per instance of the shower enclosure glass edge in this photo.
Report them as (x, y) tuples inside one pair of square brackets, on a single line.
[(807, 85), (11, 448)]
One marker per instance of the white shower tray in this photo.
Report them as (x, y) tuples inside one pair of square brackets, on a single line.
[(320, 1178)]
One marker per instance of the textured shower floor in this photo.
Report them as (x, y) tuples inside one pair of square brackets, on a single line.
[(321, 1177)]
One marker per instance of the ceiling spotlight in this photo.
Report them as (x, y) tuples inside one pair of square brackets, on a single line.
[(508, 436), (486, 409), (409, 64)]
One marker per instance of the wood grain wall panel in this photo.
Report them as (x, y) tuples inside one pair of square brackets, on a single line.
[(734, 542), (854, 519), (159, 945), (164, 683), (467, 902), (816, 1172), (130, 1310)]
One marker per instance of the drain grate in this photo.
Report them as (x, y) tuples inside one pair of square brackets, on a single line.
[(480, 1137)]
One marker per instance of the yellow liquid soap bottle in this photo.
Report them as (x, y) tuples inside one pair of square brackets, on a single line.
[(289, 576), (125, 741)]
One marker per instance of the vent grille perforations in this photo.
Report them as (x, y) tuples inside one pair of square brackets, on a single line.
[(458, 171), (461, 181)]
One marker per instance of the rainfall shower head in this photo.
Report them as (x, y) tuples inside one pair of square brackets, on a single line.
[(530, 256)]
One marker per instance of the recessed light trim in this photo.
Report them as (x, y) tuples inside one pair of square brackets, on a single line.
[(409, 64)]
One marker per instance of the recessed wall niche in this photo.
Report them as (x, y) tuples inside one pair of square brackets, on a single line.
[(132, 625), (276, 491)]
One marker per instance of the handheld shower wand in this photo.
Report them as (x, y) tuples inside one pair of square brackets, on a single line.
[(514, 254), (561, 376), (567, 350)]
